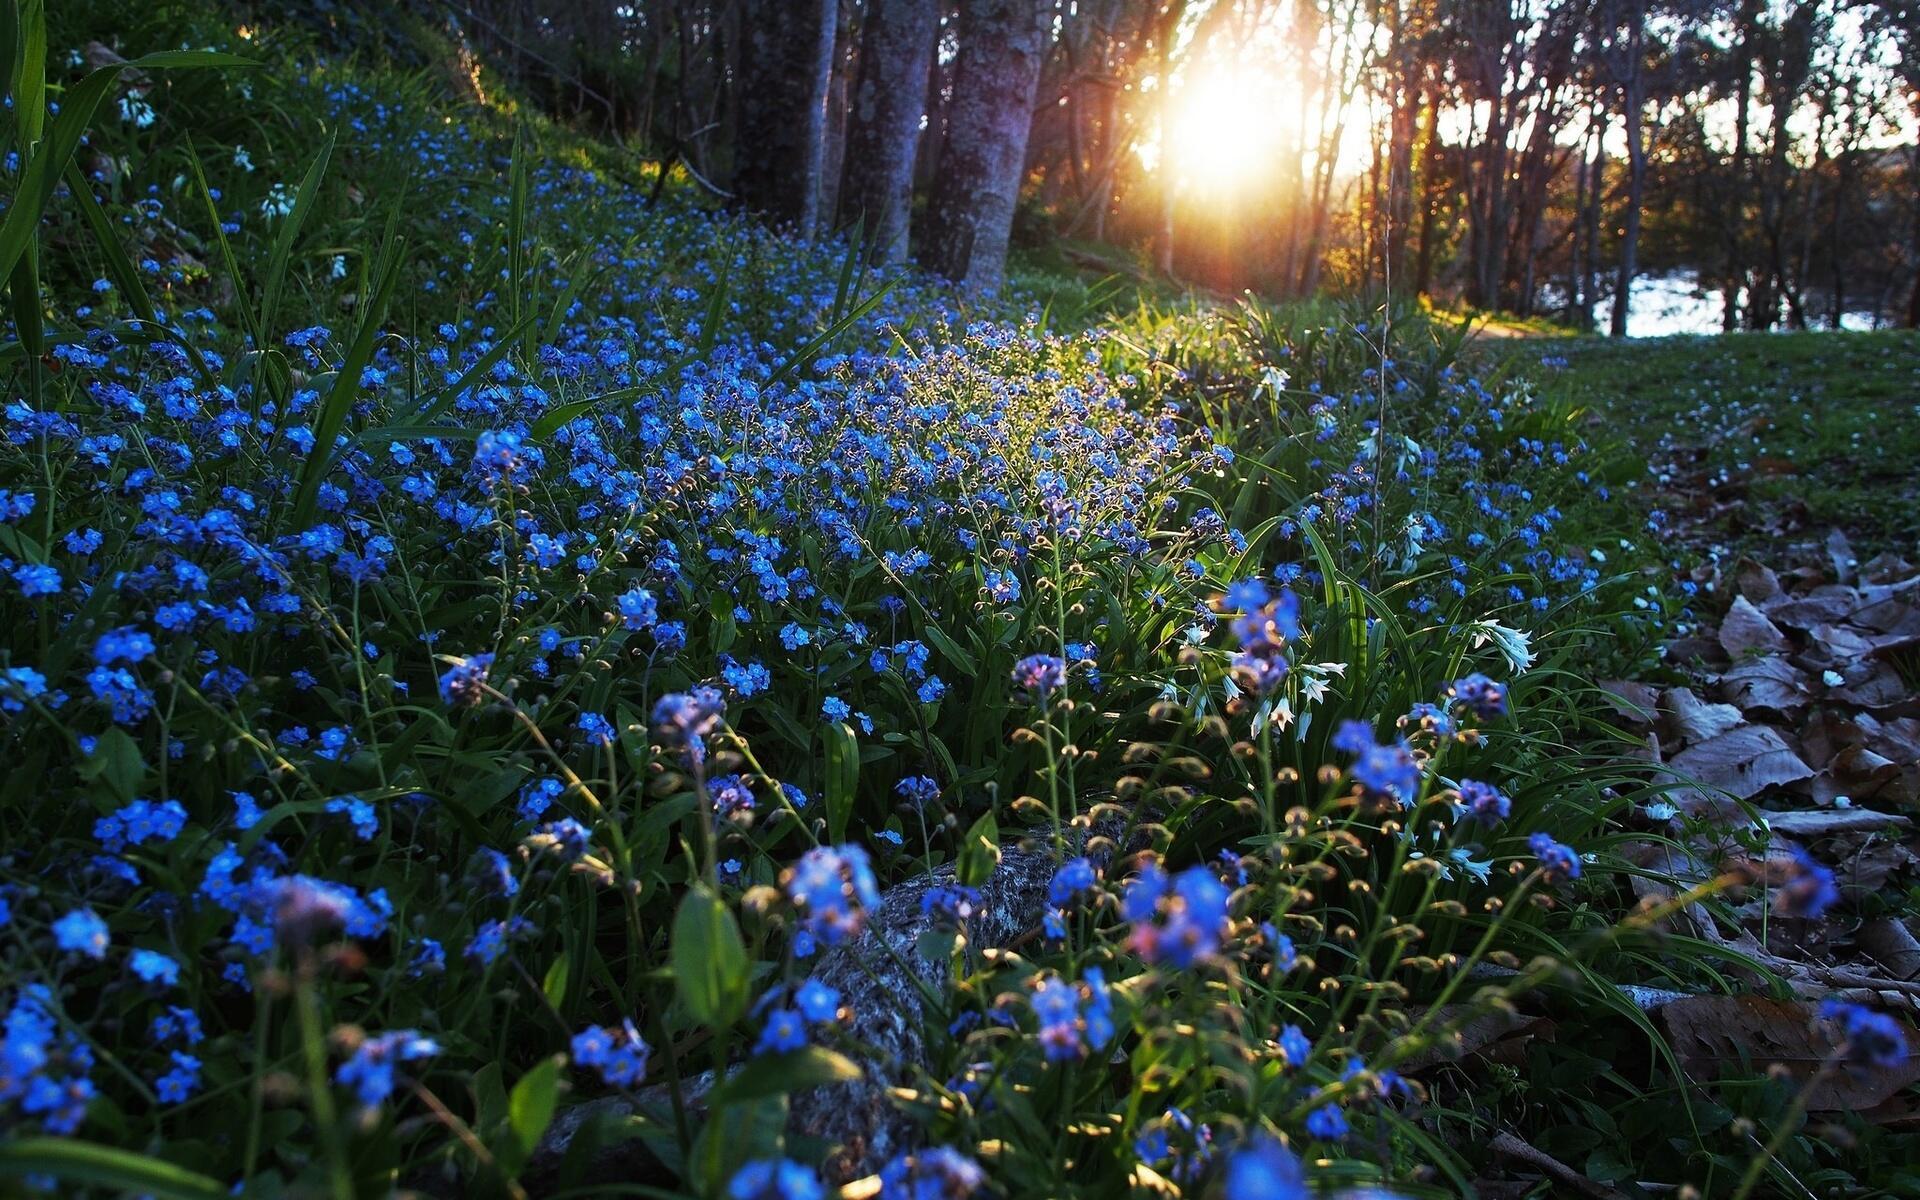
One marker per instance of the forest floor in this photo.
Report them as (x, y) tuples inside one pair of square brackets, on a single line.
[(1756, 443)]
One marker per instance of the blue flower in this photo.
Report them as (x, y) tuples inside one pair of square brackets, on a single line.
[(936, 1173), (81, 932), (1038, 676), (1264, 1169), (1075, 877), (1183, 928), (465, 681), (834, 887), (817, 1002), (637, 609), (154, 967), (785, 1029), (370, 1069), (1295, 1047), (1479, 695), (1484, 802), (917, 790), (1327, 1123), (365, 822), (1809, 889), (1871, 1039), (180, 1082), (1557, 862), (775, 1179)]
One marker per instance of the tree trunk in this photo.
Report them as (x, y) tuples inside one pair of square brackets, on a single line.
[(883, 128), (1571, 314), (786, 62), (970, 214), (1734, 220), (1913, 298), (1633, 97), (1430, 184)]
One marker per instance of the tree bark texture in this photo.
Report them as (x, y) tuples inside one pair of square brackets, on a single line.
[(883, 124), (786, 63)]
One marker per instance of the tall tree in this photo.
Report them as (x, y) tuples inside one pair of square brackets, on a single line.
[(1630, 72), (786, 64), (970, 212), (888, 105)]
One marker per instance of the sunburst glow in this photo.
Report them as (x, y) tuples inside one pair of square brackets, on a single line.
[(1226, 130)]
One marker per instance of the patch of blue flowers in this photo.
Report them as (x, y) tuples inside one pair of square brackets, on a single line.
[(522, 709)]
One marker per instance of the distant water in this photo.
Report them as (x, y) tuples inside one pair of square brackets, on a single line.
[(1674, 302)]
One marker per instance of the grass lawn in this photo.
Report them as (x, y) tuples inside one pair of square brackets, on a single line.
[(1772, 438)]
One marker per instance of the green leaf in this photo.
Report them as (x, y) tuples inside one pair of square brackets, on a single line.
[(26, 65), (806, 353), (438, 403), (116, 762), (793, 1071), (843, 776), (979, 852), (249, 318), (710, 967), (530, 1110), (105, 1167), (938, 639), (554, 986), (733, 1136), (716, 305)]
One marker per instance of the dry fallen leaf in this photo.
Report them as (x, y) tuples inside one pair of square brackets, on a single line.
[(1840, 554), (1744, 761), (1756, 581), (1769, 686), (1731, 1035), (1873, 685), (1636, 702), (1745, 630), (1821, 606), (1892, 945), (1695, 719), (1827, 821)]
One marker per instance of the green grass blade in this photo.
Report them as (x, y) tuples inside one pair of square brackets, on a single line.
[(105, 1167), (346, 382), (561, 415), (119, 266), (27, 66), (289, 231), (807, 353), (62, 138), (437, 403), (248, 317), (716, 305)]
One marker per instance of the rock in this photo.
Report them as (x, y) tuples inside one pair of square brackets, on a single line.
[(860, 1120)]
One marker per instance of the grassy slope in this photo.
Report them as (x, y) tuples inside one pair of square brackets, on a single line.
[(1773, 438)]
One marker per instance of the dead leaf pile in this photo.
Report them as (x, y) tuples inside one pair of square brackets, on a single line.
[(1799, 730)]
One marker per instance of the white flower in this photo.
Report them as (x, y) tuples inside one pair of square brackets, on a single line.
[(279, 202), (1511, 643), (1465, 860)]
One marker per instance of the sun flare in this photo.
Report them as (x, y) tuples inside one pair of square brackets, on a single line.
[(1225, 131)]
